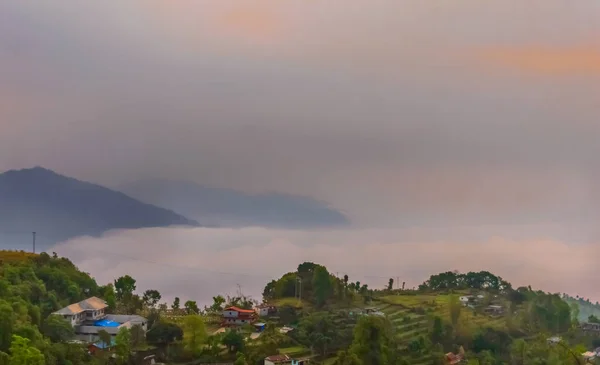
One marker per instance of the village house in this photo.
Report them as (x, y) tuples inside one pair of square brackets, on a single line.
[(234, 316), (89, 316), (590, 327), (264, 310), (494, 310)]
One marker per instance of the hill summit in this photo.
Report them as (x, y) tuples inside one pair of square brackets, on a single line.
[(59, 207)]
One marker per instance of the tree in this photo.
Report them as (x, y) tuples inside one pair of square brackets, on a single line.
[(322, 285), (4, 358), (455, 308), (234, 341), (151, 297), (191, 307), (58, 329), (23, 353), (175, 305), (390, 284), (105, 338), (164, 333), (108, 294), (123, 345), (124, 286), (194, 334), (437, 333), (138, 336), (373, 341), (217, 305), (6, 325), (593, 319), (240, 359)]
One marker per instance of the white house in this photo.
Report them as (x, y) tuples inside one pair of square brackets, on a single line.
[(88, 317), (87, 310)]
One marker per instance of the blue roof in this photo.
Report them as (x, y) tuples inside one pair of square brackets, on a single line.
[(106, 323)]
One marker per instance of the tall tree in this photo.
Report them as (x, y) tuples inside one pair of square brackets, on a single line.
[(322, 286), (191, 307), (23, 353), (151, 297), (390, 284), (455, 309), (373, 341), (175, 305), (123, 345), (124, 286), (105, 338), (137, 335), (217, 305), (194, 334)]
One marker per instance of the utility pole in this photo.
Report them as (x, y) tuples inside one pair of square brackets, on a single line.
[(33, 241)]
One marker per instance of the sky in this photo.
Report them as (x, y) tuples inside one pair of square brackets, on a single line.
[(466, 120)]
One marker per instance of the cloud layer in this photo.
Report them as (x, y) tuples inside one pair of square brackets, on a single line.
[(200, 263)]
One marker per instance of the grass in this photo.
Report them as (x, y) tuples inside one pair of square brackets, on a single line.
[(15, 256), (292, 302), (294, 350)]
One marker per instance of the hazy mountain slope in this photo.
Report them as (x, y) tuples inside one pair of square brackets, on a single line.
[(59, 207), (226, 207)]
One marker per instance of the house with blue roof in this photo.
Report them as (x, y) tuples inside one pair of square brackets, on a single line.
[(89, 316)]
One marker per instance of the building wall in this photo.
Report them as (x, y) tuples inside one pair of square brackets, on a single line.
[(230, 314), (263, 312), (267, 362)]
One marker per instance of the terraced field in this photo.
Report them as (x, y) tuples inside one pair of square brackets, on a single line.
[(412, 316)]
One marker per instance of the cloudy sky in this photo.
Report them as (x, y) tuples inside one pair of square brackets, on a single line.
[(469, 119)]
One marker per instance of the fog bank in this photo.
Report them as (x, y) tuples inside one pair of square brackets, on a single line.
[(198, 263)]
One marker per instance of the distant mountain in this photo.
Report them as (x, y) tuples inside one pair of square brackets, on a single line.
[(58, 207), (231, 208)]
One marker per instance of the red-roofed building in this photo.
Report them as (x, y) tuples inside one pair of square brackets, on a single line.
[(234, 316), (453, 358)]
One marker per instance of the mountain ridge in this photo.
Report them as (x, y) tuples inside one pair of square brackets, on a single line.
[(39, 199), (233, 208)]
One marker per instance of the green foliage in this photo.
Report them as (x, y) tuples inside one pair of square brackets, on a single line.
[(163, 333), (373, 342), (23, 353), (151, 298), (123, 345), (124, 287), (322, 285), (58, 329), (105, 337), (455, 309), (191, 307), (194, 334), (234, 341), (471, 280), (176, 302)]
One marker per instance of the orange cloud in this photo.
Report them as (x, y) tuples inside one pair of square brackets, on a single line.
[(252, 22), (545, 60)]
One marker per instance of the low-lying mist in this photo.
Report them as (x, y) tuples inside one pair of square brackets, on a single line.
[(199, 263)]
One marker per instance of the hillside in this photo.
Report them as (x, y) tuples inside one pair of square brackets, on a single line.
[(60, 207), (337, 322), (230, 208)]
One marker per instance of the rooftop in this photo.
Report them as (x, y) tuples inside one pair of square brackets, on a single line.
[(240, 310), (278, 358), (93, 303)]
